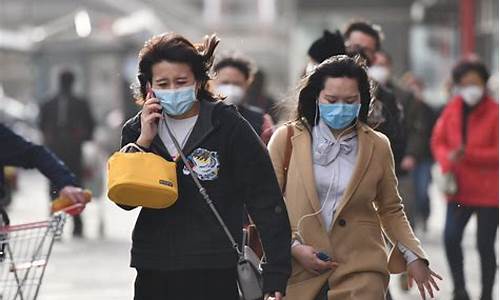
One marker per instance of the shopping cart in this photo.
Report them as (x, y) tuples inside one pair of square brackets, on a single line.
[(24, 253)]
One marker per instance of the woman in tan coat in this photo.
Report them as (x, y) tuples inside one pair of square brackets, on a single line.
[(340, 189)]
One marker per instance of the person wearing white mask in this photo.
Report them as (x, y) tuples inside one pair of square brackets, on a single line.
[(465, 144), (340, 190), (233, 75), (366, 39)]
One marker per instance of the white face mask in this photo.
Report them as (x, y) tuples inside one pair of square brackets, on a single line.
[(233, 93), (379, 73), (472, 94)]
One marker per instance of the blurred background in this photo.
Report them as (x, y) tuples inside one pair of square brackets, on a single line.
[(98, 40)]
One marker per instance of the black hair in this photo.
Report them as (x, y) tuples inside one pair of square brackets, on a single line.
[(367, 28), (66, 80), (466, 66), (238, 61), (334, 67), (174, 47), (328, 45)]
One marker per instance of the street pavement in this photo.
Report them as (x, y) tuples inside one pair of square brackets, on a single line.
[(97, 267)]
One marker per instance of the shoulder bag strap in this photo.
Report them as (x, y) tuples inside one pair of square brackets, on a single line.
[(288, 152), (203, 192)]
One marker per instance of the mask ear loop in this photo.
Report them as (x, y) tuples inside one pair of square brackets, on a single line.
[(316, 119), (299, 223)]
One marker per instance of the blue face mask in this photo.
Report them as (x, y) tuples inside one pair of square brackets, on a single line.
[(339, 115), (176, 102)]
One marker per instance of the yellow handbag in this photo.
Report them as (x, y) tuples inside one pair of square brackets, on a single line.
[(141, 179)]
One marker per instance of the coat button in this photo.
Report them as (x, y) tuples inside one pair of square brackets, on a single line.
[(342, 222)]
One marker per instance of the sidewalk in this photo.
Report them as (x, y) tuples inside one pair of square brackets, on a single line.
[(97, 268)]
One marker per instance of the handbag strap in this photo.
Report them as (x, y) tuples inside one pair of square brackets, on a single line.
[(203, 192), (130, 145), (288, 153)]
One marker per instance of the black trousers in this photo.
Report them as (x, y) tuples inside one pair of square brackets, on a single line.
[(212, 284), (457, 218)]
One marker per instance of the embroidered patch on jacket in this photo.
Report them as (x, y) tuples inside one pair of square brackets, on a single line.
[(204, 163)]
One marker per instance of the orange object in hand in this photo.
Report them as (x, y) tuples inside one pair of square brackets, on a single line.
[(63, 202)]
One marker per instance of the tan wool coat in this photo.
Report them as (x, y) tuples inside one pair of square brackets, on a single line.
[(369, 209)]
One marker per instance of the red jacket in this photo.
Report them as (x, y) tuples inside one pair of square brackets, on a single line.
[(477, 171)]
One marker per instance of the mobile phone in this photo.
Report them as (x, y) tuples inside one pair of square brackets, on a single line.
[(323, 256), (150, 91)]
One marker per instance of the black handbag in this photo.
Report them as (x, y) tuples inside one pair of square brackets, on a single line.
[(250, 281)]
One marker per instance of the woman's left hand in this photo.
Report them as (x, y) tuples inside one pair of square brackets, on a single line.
[(423, 276)]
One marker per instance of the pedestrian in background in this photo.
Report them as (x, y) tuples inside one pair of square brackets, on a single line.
[(341, 193), (182, 252), (66, 122), (257, 95), (419, 122), (366, 38), (465, 144), (233, 75), (328, 45)]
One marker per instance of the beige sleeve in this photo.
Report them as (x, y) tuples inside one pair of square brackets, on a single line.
[(393, 218), (276, 148)]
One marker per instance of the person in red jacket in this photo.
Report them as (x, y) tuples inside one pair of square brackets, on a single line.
[(465, 144)]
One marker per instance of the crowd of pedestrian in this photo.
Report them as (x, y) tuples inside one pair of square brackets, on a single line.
[(335, 188)]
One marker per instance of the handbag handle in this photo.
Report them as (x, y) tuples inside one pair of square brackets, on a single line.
[(130, 145), (203, 192)]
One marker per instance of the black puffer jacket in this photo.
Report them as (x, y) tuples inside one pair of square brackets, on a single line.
[(234, 167)]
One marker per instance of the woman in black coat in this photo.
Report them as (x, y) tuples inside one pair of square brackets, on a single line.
[(181, 252)]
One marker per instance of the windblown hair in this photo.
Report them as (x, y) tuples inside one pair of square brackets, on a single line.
[(173, 47)]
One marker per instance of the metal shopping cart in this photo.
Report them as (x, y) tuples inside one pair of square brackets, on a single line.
[(24, 253)]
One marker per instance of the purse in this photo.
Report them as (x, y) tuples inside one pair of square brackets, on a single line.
[(250, 281), (445, 182), (249, 271), (141, 179)]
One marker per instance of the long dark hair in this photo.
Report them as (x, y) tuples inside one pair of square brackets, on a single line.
[(334, 67), (173, 47)]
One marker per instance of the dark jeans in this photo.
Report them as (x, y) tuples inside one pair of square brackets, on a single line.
[(186, 284), (422, 180), (457, 217)]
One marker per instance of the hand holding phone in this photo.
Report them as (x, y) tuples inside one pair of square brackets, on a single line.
[(323, 256), (150, 116)]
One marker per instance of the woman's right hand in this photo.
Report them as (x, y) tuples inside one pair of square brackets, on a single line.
[(151, 114), (306, 256)]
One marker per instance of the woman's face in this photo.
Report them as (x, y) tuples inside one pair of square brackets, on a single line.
[(171, 75), (340, 90), (471, 78)]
